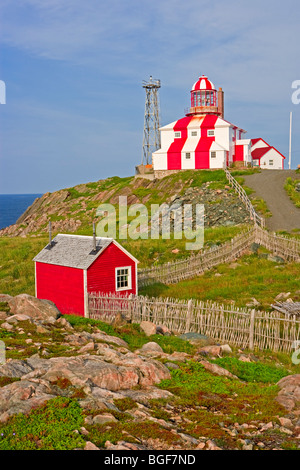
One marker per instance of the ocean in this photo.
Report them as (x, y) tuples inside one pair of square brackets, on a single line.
[(14, 205)]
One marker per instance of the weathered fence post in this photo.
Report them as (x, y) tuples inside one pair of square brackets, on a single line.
[(251, 331), (189, 316), (130, 308)]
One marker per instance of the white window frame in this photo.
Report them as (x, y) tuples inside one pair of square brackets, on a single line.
[(177, 135), (271, 162), (194, 133), (213, 154), (210, 133), (188, 155), (129, 286)]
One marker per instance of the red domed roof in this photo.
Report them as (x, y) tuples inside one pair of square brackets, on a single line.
[(203, 84)]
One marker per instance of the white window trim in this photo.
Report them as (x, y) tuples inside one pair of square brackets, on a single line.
[(194, 133), (213, 152), (210, 133), (188, 155), (177, 136), (118, 289)]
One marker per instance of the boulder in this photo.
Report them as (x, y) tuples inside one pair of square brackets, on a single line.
[(151, 347), (37, 309), (211, 350), (148, 327), (218, 370), (289, 395)]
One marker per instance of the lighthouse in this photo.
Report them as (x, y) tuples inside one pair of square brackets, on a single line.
[(204, 139)]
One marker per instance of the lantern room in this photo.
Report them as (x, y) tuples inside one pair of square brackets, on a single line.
[(205, 99)]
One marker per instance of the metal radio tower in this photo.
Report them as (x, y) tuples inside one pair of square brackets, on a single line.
[(151, 139)]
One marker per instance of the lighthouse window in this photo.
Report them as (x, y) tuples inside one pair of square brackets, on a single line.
[(177, 135), (211, 132), (187, 155), (194, 133)]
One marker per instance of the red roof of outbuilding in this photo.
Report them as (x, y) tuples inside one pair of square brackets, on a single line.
[(257, 154)]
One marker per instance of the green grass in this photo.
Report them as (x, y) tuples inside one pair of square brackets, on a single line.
[(193, 385), (251, 276), (132, 334), (290, 187), (50, 427), (252, 371)]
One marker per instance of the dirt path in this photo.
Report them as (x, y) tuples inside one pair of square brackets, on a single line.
[(269, 185)]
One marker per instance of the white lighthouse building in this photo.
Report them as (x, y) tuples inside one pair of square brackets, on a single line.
[(203, 139)]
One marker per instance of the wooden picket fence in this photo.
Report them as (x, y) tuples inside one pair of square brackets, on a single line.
[(240, 327), (257, 219), (194, 265)]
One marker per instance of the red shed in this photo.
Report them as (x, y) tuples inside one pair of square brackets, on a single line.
[(72, 266)]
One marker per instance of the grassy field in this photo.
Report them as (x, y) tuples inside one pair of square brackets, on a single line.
[(290, 187), (251, 276), (17, 267)]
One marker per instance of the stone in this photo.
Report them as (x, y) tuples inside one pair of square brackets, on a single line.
[(163, 330), (87, 347), (104, 418), (218, 370), (7, 326), (289, 395), (196, 339), (286, 422), (34, 308), (225, 348), (151, 347), (210, 350), (90, 446), (148, 327), (17, 318)]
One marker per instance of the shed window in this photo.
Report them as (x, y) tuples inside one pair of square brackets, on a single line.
[(123, 278), (213, 154), (271, 162)]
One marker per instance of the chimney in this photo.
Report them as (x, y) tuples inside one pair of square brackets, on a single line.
[(50, 233), (94, 237), (221, 102)]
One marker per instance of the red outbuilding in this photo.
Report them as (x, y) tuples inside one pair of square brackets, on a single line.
[(72, 266)]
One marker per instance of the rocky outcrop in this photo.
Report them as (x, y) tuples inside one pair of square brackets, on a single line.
[(289, 395), (28, 305)]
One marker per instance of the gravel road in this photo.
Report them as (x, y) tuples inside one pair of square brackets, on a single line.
[(269, 185)]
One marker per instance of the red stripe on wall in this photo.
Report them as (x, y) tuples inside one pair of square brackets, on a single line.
[(208, 122), (202, 153), (203, 148), (174, 151), (239, 153)]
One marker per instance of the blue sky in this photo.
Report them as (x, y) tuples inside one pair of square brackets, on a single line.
[(73, 71)]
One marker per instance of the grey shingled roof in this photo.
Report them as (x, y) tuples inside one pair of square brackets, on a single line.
[(73, 251)]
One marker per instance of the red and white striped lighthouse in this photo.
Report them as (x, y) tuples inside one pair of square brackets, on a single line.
[(203, 139)]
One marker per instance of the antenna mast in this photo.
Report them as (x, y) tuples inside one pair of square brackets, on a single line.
[(151, 138), (290, 146)]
